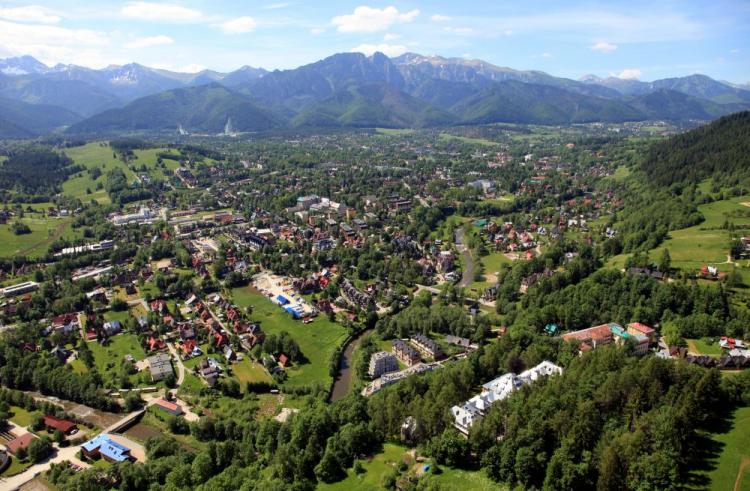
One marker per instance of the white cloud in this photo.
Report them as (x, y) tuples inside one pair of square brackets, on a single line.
[(390, 37), (55, 44), (386, 49), (546, 55), (368, 19), (440, 18), (240, 25), (629, 73), (149, 42), (192, 68), (315, 31), (459, 30), (30, 13), (164, 12), (734, 50), (604, 47)]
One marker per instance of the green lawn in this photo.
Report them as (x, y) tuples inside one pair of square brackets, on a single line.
[(95, 154), (388, 460), (492, 263), (317, 340), (101, 155), (692, 247), (44, 231), (22, 417), (108, 358), (465, 139), (250, 371), (620, 173), (734, 453), (16, 467), (701, 347)]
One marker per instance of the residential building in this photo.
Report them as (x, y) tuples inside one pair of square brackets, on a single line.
[(103, 446), (495, 390), (382, 362), (20, 442), (160, 366), (54, 424), (408, 355), (427, 347), (19, 289), (644, 330), (169, 407)]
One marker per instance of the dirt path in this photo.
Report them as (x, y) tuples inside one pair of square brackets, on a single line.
[(740, 472)]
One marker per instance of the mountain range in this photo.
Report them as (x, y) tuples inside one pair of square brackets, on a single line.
[(343, 90)]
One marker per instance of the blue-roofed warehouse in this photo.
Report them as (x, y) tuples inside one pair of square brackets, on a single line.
[(103, 446), (282, 300)]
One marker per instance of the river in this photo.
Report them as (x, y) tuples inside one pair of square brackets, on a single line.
[(343, 383)]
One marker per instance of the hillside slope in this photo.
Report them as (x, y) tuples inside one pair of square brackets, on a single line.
[(21, 120), (206, 108), (722, 147)]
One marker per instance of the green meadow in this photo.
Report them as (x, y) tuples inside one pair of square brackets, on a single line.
[(317, 340)]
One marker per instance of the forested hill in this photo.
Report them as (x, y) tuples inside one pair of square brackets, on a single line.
[(722, 147)]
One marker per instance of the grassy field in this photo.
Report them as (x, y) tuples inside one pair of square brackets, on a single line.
[(701, 347), (44, 231), (16, 467), (465, 139), (389, 459), (21, 416), (99, 154), (692, 247), (95, 154), (703, 244), (492, 264), (250, 371), (318, 340), (620, 173), (394, 131), (108, 358), (733, 463)]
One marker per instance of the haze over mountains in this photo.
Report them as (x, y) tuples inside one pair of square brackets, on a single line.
[(343, 90)]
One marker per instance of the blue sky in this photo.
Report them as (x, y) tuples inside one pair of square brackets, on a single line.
[(643, 39)]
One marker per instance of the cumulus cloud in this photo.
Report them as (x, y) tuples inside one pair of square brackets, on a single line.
[(629, 73), (163, 12), (30, 13), (368, 19), (148, 42), (604, 47), (240, 25), (440, 18), (386, 49), (54, 44)]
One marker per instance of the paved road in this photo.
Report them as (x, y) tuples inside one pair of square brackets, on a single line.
[(61, 455), (466, 259), (180, 366)]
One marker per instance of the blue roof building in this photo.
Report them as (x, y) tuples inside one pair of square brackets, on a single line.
[(103, 445)]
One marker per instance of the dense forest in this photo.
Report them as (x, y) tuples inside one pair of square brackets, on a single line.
[(722, 147), (35, 172)]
